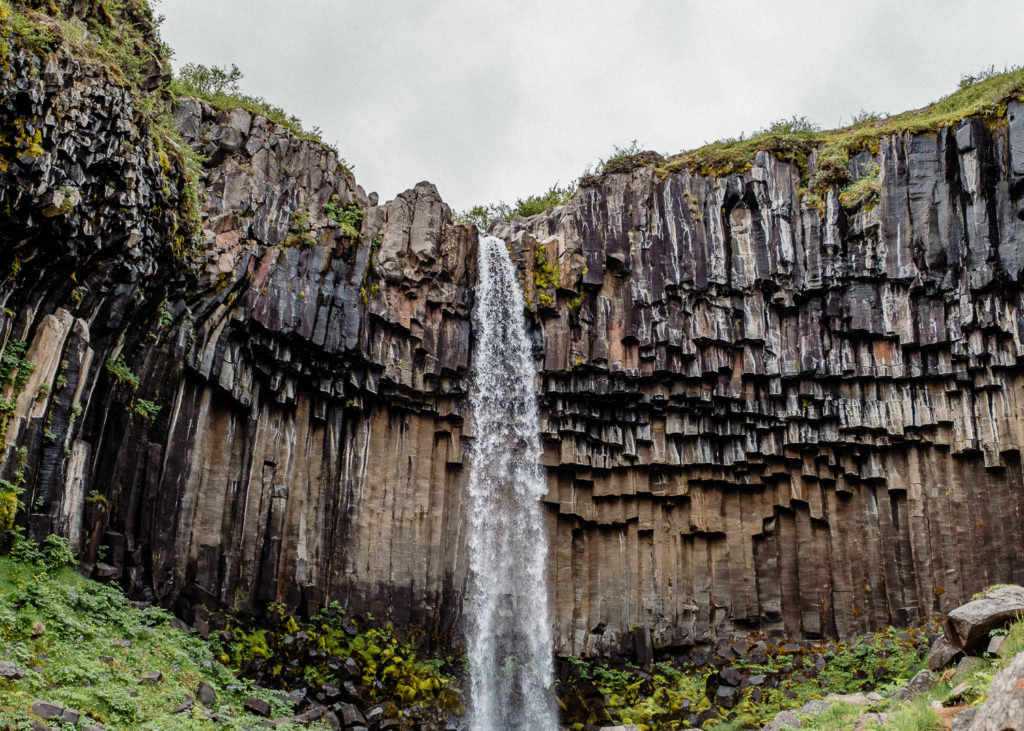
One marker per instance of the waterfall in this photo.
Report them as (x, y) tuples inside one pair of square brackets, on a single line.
[(510, 643)]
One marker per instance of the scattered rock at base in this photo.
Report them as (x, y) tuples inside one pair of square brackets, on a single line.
[(11, 671), (943, 653), (920, 683), (206, 695), (1004, 707), (69, 715), (956, 694), (871, 720), (152, 678), (963, 720), (966, 665), (256, 706), (47, 710), (814, 706), (968, 625), (997, 646), (784, 719), (185, 705)]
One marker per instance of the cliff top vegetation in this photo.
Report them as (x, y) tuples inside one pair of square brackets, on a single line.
[(984, 95)]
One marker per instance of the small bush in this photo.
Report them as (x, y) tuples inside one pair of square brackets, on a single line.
[(122, 373), (349, 218), (146, 409), (482, 216)]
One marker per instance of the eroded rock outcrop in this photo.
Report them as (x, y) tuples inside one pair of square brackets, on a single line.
[(757, 415), (760, 416)]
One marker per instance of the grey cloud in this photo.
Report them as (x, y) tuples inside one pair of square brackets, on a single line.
[(495, 100)]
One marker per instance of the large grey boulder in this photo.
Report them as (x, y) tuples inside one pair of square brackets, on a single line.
[(968, 625), (1003, 710)]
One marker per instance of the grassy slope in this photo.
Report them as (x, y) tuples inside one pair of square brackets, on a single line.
[(86, 648)]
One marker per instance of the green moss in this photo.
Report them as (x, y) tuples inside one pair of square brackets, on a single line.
[(863, 192)]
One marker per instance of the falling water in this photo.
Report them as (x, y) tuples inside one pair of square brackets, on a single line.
[(510, 642)]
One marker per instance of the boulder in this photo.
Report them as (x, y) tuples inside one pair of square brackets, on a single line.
[(963, 720), (784, 719), (852, 699), (47, 710), (943, 653), (871, 721), (256, 706), (1004, 707), (814, 707), (11, 671), (966, 665), (920, 683), (968, 625), (206, 695)]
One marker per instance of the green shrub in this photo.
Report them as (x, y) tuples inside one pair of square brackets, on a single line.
[(147, 409), (349, 218), (122, 373), (482, 216)]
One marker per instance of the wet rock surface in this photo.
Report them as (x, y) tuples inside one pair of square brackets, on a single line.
[(756, 415)]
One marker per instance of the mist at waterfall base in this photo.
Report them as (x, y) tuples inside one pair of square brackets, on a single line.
[(509, 642)]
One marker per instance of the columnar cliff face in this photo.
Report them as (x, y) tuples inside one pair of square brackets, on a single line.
[(756, 415)]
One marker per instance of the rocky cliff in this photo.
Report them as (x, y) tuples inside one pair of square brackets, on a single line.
[(758, 414)]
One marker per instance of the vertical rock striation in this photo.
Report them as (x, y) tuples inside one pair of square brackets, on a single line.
[(761, 417), (756, 414)]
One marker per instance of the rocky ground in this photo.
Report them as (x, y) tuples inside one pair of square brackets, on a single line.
[(78, 654)]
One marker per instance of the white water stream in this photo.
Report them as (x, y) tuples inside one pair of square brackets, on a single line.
[(510, 643)]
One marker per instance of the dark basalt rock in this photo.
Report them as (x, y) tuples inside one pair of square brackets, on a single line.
[(756, 416)]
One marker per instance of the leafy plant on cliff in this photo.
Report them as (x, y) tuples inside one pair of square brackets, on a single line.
[(15, 369), (146, 409), (299, 232), (122, 373), (545, 277), (348, 218)]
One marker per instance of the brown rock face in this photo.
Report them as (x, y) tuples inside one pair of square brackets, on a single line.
[(756, 416)]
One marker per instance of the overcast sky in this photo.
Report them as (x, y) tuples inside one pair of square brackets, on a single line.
[(496, 100)]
